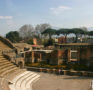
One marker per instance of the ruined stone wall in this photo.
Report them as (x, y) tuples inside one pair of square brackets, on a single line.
[(7, 42), (62, 56), (62, 40), (54, 57), (68, 55), (58, 56), (20, 62), (86, 55)]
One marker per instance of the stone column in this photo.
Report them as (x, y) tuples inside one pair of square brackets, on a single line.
[(69, 55), (40, 57), (32, 57)]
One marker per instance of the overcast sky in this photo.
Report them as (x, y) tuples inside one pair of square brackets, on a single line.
[(58, 13)]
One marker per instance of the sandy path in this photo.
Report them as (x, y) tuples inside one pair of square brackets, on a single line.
[(54, 82)]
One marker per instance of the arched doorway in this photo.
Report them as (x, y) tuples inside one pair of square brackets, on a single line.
[(20, 64), (35, 61)]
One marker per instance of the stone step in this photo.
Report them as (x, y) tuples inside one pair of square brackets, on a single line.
[(4, 60), (28, 84), (23, 85), (1, 56), (23, 81), (5, 69), (19, 81), (4, 64), (15, 74), (16, 78), (8, 71)]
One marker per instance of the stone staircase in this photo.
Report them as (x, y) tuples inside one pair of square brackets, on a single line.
[(4, 46), (11, 76), (24, 81)]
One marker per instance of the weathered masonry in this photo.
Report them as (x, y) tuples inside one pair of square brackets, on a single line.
[(78, 52), (72, 52)]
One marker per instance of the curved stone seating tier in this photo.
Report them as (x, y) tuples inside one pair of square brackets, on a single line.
[(24, 81), (4, 84), (1, 84), (29, 83), (6, 69), (11, 55), (5, 49), (2, 45), (10, 70), (21, 75), (6, 65), (1, 56), (20, 80), (10, 75), (3, 61), (13, 75)]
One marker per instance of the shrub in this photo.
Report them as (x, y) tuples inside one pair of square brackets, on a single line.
[(79, 67), (48, 42), (30, 41)]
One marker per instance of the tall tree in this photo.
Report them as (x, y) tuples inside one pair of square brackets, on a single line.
[(13, 36), (85, 33), (90, 33), (77, 32), (49, 32), (26, 31), (41, 28), (63, 31)]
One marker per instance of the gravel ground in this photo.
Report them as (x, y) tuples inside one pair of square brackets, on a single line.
[(61, 82)]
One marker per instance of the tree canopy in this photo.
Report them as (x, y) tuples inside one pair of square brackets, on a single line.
[(26, 31), (13, 36), (49, 32), (90, 33)]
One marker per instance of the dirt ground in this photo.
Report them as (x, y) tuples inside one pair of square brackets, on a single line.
[(61, 82)]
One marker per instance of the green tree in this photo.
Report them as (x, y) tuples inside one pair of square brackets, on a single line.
[(41, 28), (90, 33), (63, 31), (77, 32), (49, 32), (48, 42), (13, 36)]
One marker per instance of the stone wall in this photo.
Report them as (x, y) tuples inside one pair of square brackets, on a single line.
[(86, 55), (6, 41), (20, 62)]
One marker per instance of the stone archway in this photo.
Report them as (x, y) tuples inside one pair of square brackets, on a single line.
[(20, 64)]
